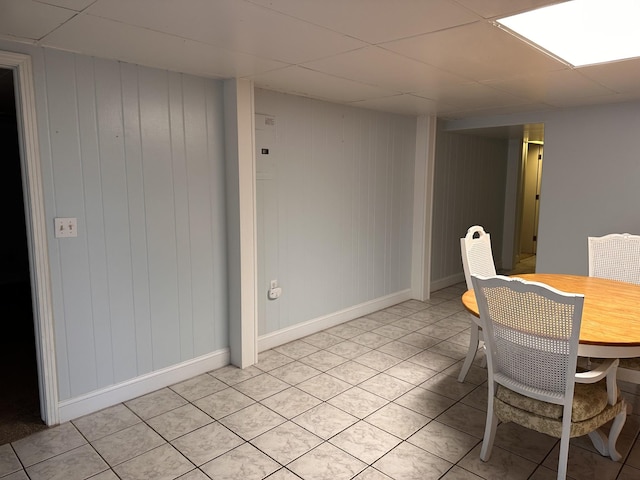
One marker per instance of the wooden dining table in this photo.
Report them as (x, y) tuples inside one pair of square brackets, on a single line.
[(610, 325)]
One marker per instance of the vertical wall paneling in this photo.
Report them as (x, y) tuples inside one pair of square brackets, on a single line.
[(137, 157), (93, 223), (469, 189), (344, 207), (137, 225), (74, 308)]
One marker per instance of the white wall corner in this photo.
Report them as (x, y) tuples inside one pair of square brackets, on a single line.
[(423, 207), (241, 220)]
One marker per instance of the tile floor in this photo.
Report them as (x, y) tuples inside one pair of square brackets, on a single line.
[(372, 399)]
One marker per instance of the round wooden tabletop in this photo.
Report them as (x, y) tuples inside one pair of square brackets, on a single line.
[(610, 314)]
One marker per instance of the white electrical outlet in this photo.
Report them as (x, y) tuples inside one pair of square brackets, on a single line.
[(65, 227)]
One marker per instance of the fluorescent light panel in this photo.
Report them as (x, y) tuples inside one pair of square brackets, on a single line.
[(582, 32)]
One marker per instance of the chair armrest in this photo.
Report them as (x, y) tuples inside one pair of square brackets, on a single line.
[(608, 368)]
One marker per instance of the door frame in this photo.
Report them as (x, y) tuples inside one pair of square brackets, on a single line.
[(35, 220)]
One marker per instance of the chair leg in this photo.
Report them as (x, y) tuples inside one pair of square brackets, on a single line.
[(471, 353), (489, 431), (563, 457), (614, 432)]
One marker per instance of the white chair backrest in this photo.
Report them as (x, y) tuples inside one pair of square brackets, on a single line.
[(615, 256), (477, 257), (531, 332)]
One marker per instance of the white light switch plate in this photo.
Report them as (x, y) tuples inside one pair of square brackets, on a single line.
[(66, 227)]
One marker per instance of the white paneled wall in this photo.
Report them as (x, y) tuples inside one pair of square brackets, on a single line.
[(335, 206), (137, 155), (469, 189)]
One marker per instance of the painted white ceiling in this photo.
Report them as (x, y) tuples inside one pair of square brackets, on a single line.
[(441, 57)]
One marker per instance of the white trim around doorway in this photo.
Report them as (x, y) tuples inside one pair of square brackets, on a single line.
[(36, 232)]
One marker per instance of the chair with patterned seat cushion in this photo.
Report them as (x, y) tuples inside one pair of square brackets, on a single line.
[(531, 333), (477, 259), (617, 257)]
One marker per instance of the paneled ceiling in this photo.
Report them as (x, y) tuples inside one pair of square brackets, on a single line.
[(441, 57)]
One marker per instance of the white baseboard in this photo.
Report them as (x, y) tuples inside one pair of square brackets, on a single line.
[(447, 282), (130, 389), (289, 334)]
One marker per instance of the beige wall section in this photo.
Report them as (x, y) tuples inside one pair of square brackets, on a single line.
[(241, 221)]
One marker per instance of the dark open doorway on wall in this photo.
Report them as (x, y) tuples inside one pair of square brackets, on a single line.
[(19, 397)]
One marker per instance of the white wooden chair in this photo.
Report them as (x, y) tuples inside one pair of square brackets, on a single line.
[(477, 259), (531, 334), (617, 257)]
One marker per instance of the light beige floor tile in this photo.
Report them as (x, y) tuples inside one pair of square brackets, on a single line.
[(284, 474), (9, 462), (408, 462), (291, 402), (399, 349), (502, 465), (444, 441), (386, 386), (348, 349), (252, 421), (198, 387), (327, 462), (409, 324), (294, 373), (367, 324), (457, 473), (323, 360), (180, 421), (378, 360), (223, 403), (48, 443), (322, 339), (128, 443), (523, 441), (270, 359), (370, 339), (400, 310), (358, 402), (324, 386), (106, 475), (296, 349), (77, 464), (352, 372), (345, 331), (415, 305), (162, 463), (398, 420), (450, 349), (365, 441), (155, 403), (20, 475), (371, 474), (325, 420), (465, 418), (261, 387), (419, 340), (387, 315), (286, 442), (207, 443), (194, 475), (432, 360), (410, 372), (425, 402), (392, 331), (106, 422), (242, 463), (448, 386), (232, 374), (585, 465)]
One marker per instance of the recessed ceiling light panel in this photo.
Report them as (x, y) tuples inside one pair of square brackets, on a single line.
[(582, 32)]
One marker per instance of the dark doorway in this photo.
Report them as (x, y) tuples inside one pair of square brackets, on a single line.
[(19, 398)]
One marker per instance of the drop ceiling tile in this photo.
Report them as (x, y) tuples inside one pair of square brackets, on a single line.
[(29, 19), (503, 8), (85, 34), (479, 51), (376, 66), (77, 5), (402, 104), (305, 82), (376, 21), (552, 87), (622, 77), (232, 24), (474, 95)]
